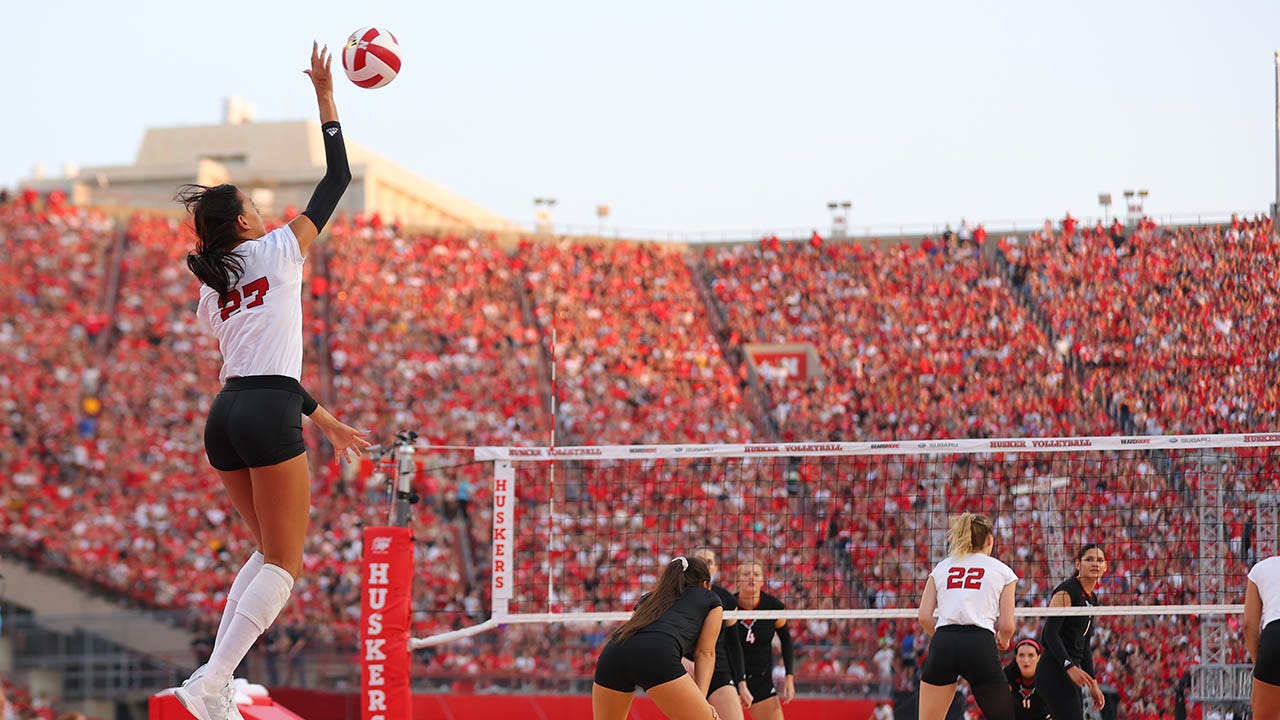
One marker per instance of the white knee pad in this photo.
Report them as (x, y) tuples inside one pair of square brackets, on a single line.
[(265, 597)]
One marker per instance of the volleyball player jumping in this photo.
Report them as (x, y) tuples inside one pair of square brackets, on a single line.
[(251, 298)]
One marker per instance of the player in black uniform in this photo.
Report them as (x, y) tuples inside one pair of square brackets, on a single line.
[(729, 694), (757, 645), (1021, 674), (1067, 664), (680, 615)]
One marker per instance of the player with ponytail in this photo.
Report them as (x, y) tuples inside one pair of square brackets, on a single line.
[(1067, 665), (679, 616), (967, 606), (251, 299)]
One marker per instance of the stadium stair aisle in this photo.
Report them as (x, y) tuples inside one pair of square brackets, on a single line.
[(732, 353), (544, 370), (1000, 267)]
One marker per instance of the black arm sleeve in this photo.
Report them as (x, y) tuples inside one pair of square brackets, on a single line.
[(336, 176), (309, 403), (788, 649), (1051, 639), (733, 648)]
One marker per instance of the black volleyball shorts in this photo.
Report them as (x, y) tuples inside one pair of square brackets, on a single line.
[(645, 659), (255, 422)]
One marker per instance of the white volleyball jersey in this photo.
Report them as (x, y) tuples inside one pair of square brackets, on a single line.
[(259, 327), (1266, 575), (969, 590)]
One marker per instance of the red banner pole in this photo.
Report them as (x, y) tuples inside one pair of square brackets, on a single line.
[(387, 570)]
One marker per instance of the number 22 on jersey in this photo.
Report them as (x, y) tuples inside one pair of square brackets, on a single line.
[(962, 578)]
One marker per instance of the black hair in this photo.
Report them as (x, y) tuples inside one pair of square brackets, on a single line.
[(215, 211), (1084, 549), (679, 575)]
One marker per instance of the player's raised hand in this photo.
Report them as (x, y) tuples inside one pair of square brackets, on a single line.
[(321, 75)]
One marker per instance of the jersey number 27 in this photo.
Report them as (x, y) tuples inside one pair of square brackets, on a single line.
[(965, 578), (256, 288)]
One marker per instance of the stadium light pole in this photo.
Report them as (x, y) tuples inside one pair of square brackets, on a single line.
[(602, 212), (542, 214), (1104, 199), (839, 218), (1275, 206)]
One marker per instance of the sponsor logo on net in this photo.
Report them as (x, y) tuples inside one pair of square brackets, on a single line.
[(1136, 441), (1195, 440), (939, 445), (885, 445)]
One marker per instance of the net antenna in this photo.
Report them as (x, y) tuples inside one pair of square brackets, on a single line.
[(551, 531)]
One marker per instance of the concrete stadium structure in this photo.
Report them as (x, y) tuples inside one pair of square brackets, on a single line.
[(278, 163)]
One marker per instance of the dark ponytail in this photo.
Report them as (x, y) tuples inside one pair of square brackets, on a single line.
[(215, 211), (680, 574)]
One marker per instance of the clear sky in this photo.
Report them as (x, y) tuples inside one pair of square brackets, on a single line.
[(700, 115)]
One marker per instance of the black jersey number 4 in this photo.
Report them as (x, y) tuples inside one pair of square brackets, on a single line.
[(962, 578)]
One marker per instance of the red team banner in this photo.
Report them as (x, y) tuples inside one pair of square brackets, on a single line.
[(788, 360), (387, 570)]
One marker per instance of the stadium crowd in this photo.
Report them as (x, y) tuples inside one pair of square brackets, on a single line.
[(1173, 324), (106, 377)]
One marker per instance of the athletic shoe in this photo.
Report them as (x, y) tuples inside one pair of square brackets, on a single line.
[(199, 673), (228, 689), (208, 705)]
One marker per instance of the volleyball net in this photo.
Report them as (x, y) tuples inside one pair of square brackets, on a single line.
[(850, 530)]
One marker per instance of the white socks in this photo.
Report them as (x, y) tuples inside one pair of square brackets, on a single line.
[(243, 578), (263, 599)]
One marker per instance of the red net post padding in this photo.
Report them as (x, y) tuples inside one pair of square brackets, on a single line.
[(384, 624)]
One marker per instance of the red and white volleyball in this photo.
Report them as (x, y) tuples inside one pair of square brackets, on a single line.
[(371, 57)]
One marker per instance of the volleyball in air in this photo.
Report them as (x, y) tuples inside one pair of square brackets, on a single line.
[(371, 57)]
